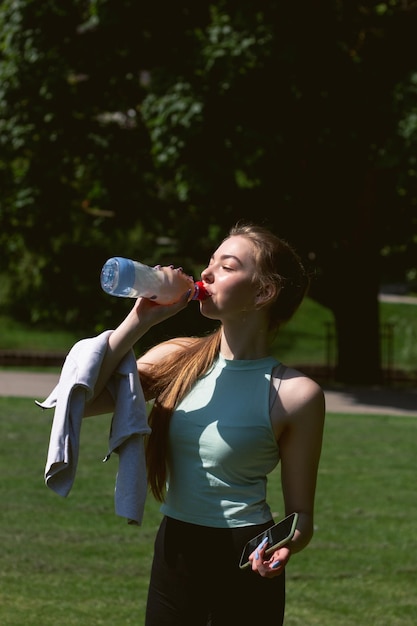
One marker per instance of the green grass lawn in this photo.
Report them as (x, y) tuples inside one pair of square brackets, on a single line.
[(72, 561)]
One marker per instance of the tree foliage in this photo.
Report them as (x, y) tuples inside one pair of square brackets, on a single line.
[(74, 155), (147, 131)]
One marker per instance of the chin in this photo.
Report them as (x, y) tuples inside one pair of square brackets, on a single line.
[(211, 315)]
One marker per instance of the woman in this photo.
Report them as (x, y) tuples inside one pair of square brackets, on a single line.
[(225, 414)]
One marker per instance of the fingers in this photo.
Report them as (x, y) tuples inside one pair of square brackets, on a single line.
[(152, 313), (260, 549), (266, 567)]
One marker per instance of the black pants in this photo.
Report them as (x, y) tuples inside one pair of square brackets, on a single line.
[(196, 580)]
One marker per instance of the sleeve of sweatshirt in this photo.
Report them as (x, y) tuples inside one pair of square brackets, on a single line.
[(128, 428)]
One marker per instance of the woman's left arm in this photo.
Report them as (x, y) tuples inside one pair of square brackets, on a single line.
[(300, 446), (300, 413)]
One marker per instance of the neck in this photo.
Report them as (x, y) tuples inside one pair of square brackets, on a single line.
[(252, 343)]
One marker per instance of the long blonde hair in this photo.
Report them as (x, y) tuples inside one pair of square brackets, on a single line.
[(277, 263)]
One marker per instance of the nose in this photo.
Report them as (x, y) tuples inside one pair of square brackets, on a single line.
[(207, 275)]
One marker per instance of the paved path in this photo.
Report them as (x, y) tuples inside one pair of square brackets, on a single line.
[(392, 297), (36, 385), (377, 401)]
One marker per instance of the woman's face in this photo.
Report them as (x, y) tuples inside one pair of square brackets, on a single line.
[(229, 279)]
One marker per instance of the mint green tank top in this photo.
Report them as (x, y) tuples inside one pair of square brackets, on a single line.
[(222, 446)]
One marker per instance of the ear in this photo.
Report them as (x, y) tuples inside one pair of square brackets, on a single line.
[(266, 295)]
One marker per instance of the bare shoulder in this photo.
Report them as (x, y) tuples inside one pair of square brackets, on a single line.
[(295, 381), (299, 396), (162, 351)]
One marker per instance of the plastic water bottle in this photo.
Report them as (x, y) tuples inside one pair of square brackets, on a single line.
[(130, 279)]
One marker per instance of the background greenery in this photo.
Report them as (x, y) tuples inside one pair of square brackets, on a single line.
[(72, 561), (147, 130)]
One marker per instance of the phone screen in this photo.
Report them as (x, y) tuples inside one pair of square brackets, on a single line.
[(278, 535)]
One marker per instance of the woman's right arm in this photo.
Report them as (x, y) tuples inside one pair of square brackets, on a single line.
[(144, 315)]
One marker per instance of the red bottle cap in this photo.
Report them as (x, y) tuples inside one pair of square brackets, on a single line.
[(201, 292)]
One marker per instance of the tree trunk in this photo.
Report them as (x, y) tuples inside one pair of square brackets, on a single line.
[(356, 314), (354, 285)]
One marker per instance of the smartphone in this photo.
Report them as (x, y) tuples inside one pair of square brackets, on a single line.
[(278, 535)]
